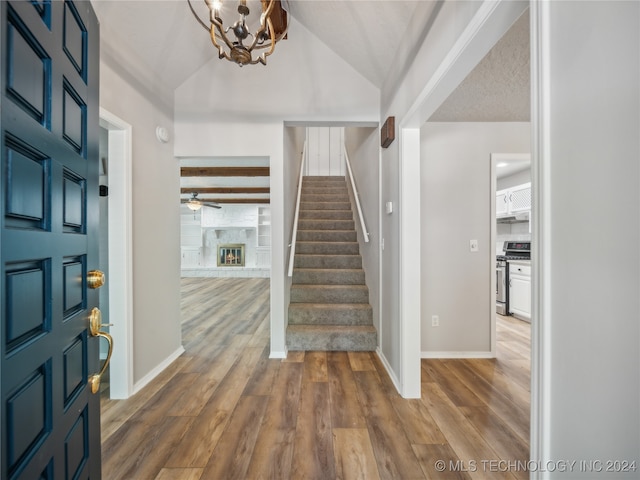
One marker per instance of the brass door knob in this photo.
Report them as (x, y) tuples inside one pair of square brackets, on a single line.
[(95, 325), (95, 279)]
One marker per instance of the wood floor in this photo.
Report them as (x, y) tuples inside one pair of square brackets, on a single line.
[(224, 410)]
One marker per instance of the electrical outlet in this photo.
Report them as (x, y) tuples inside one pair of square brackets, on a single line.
[(435, 321), (473, 245)]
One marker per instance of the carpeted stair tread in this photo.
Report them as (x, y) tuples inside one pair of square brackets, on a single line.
[(327, 236), (325, 224), (326, 214), (328, 276), (327, 248), (323, 198), (328, 261), (325, 190), (324, 205), (330, 314), (329, 294), (332, 337), (329, 305)]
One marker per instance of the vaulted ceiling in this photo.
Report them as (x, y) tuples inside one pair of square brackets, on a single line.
[(167, 46)]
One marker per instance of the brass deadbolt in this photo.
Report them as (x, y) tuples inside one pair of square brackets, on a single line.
[(95, 279)]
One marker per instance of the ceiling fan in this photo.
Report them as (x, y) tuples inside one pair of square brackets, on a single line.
[(195, 204)]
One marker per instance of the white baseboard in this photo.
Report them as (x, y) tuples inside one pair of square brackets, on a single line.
[(278, 354), (390, 372), (144, 381), (457, 355)]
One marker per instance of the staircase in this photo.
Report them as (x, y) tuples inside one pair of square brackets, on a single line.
[(329, 306)]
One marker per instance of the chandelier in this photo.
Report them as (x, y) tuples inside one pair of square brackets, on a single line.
[(235, 42)]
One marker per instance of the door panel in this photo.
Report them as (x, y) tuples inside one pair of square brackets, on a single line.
[(49, 180)]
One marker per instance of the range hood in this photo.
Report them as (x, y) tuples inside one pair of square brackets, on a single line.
[(516, 218)]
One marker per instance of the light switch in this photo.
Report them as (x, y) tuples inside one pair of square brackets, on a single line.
[(389, 207), (473, 245)]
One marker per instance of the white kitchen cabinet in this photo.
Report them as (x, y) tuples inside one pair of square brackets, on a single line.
[(502, 203), (520, 289), (514, 200)]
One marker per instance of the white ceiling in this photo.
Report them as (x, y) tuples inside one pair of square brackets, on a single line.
[(365, 33), (498, 89), (164, 45), (165, 40), (510, 165)]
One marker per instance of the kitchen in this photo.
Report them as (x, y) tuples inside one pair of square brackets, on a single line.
[(513, 235)]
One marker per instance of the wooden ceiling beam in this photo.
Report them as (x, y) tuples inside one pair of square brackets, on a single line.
[(209, 190), (224, 171)]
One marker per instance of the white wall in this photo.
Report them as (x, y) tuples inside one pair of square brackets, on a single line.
[(362, 144), (324, 151), (156, 217), (590, 210), (455, 208)]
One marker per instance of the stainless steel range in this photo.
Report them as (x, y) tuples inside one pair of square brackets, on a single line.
[(512, 251)]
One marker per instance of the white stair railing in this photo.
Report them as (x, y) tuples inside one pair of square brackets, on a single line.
[(365, 233), (294, 234)]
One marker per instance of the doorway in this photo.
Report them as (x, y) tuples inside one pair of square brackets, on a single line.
[(117, 165), (510, 174)]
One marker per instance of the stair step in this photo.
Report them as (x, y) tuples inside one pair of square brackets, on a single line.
[(326, 214), (324, 205), (324, 224), (325, 276), (323, 198), (323, 178), (329, 294), (327, 236), (330, 314), (327, 248), (329, 300), (328, 189), (327, 261), (331, 338)]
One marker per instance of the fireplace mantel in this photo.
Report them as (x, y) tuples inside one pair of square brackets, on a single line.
[(217, 230)]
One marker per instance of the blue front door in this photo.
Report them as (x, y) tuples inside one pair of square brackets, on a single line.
[(49, 199)]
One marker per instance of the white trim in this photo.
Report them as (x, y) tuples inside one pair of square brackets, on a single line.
[(493, 234), (278, 354), (436, 355), (390, 372), (541, 254), (144, 381), (410, 293), (380, 245), (120, 253)]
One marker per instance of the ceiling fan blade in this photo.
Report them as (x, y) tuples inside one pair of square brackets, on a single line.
[(194, 200)]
